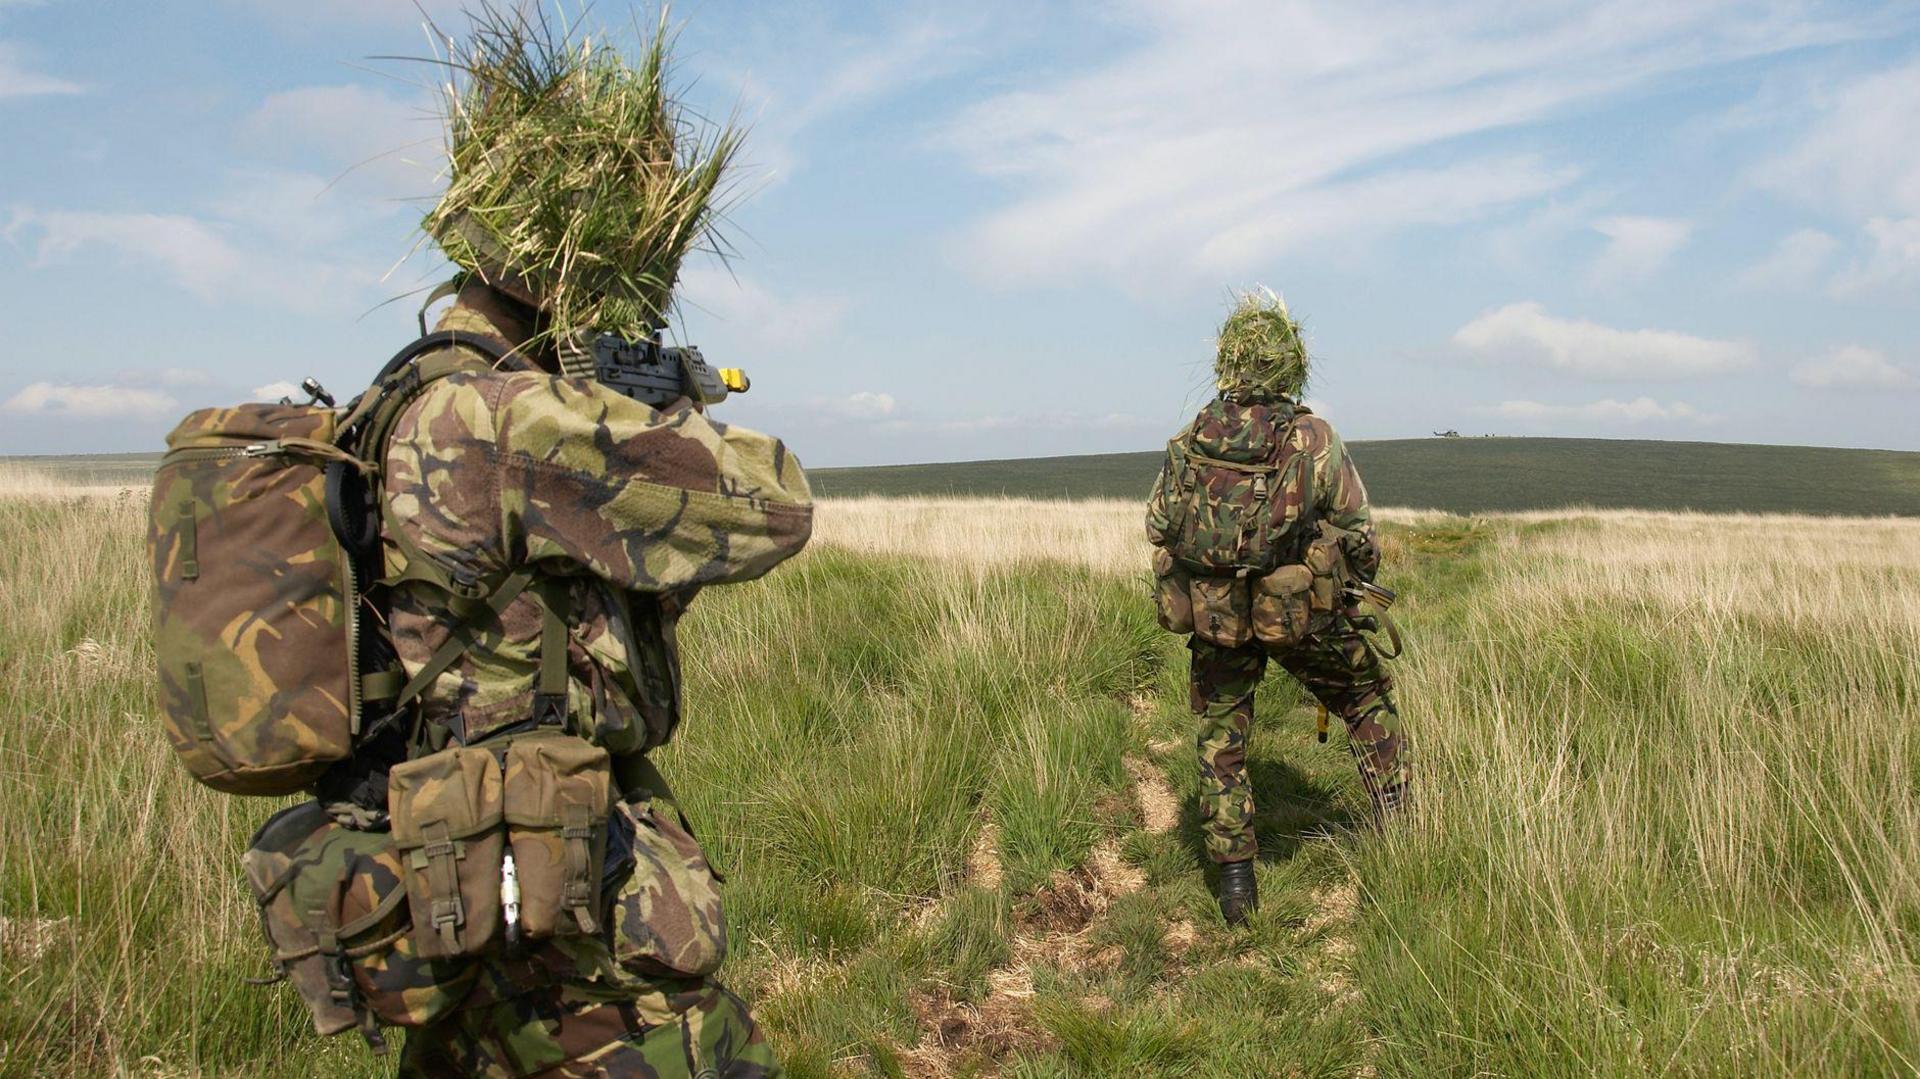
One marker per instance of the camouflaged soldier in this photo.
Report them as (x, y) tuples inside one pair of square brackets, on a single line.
[(1263, 531), (574, 514)]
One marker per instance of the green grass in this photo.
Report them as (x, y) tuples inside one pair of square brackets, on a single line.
[(1482, 475), (1669, 821)]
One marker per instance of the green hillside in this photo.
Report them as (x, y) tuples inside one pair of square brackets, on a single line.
[(1462, 475), (1473, 475)]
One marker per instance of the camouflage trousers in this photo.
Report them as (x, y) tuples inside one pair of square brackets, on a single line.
[(1337, 667), (689, 1030)]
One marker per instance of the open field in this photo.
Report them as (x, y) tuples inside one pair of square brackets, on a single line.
[(1482, 475), (1668, 821), (1463, 475)]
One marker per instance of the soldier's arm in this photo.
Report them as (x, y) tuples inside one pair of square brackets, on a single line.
[(1341, 498), (649, 500), (1158, 522)]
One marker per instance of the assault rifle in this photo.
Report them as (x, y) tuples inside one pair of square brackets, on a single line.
[(657, 374)]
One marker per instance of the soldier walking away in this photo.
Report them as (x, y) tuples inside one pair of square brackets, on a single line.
[(445, 610), (1263, 547)]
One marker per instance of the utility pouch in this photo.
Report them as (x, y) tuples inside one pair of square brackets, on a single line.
[(1221, 612), (335, 913), (447, 809), (558, 791), (667, 918), (1328, 564), (1282, 606), (1171, 598)]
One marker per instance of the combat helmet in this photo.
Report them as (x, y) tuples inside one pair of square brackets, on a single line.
[(1262, 353), (577, 183)]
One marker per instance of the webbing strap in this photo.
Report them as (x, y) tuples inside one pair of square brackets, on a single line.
[(461, 638), (189, 541), (550, 693), (577, 895)]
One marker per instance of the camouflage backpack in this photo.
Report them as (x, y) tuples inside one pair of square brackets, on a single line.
[(1236, 490), (264, 547)]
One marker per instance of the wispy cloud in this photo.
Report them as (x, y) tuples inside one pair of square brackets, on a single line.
[(89, 402), (200, 255), (1637, 247), (1891, 261), (1241, 130), (777, 320), (18, 79), (1853, 367), (1860, 150), (1524, 333), (1796, 262), (351, 131)]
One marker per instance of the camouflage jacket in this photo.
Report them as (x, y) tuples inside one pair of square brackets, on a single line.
[(1339, 498), (625, 510)]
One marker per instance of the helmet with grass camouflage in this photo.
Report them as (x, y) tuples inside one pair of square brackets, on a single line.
[(1261, 350), (577, 183)]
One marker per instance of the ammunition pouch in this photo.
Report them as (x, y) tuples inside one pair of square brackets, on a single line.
[(447, 810), (1222, 610), (1172, 601), (1282, 606), (558, 792), (667, 916), (334, 910)]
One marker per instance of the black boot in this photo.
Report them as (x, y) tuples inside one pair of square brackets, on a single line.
[(1239, 896)]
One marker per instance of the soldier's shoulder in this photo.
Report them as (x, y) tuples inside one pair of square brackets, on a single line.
[(1314, 430)]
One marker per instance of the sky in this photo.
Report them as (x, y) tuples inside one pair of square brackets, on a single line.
[(1002, 229)]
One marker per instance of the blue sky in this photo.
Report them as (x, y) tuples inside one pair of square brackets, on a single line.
[(1009, 229)]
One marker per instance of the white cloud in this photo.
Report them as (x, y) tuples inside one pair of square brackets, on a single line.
[(1793, 263), (1638, 410), (256, 256), (777, 321), (368, 135), (88, 402), (1524, 333), (273, 391), (1241, 130), (1853, 367), (865, 405), (18, 80), (1892, 262), (1637, 247), (1861, 149)]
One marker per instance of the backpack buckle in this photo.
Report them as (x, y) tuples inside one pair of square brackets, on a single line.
[(549, 709)]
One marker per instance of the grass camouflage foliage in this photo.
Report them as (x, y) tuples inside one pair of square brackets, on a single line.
[(1260, 349), (1669, 816), (573, 169)]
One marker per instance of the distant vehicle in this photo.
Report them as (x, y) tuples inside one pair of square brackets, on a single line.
[(1446, 434)]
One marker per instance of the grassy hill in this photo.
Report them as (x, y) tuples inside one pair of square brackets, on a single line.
[(1474, 475), (1460, 475)]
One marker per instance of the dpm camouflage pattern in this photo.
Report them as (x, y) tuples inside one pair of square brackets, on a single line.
[(1341, 671), (333, 908), (250, 599), (1209, 520), (628, 511), (684, 1029), (667, 917), (630, 508)]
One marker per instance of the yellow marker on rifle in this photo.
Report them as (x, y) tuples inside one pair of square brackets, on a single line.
[(734, 379)]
